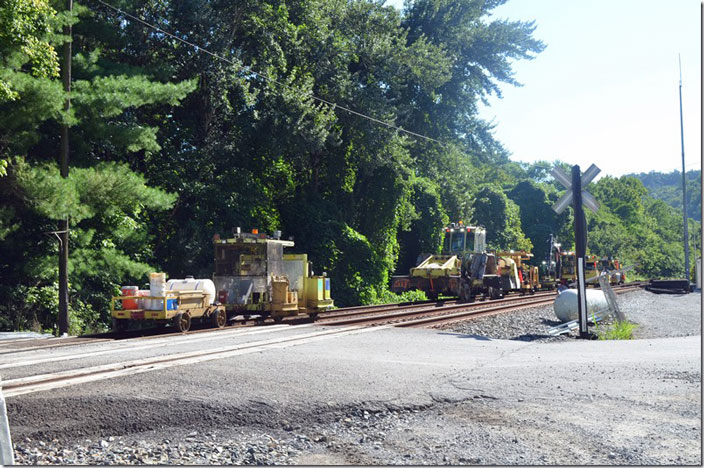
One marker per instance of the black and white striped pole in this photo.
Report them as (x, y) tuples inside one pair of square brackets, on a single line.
[(578, 197)]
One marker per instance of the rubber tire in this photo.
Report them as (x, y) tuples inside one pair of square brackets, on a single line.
[(120, 325), (218, 319), (182, 322)]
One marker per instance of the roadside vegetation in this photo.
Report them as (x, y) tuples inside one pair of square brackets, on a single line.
[(170, 146), (616, 331)]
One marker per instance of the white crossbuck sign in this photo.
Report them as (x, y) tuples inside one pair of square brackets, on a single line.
[(565, 200)]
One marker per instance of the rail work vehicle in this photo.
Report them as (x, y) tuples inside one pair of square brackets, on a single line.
[(465, 269), (252, 277)]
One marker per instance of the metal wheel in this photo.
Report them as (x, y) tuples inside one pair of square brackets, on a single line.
[(278, 319), (182, 322), (120, 325), (218, 318), (465, 293), (495, 293), (313, 316)]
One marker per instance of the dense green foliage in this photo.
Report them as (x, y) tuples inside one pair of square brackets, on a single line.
[(170, 145), (668, 188)]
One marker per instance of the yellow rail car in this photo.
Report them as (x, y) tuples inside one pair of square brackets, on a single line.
[(177, 307), (254, 277)]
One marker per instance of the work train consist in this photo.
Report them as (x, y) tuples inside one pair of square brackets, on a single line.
[(466, 269), (252, 277)]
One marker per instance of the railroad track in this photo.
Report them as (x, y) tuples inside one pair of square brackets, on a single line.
[(421, 316), (387, 314), (370, 315), (54, 380), (345, 322)]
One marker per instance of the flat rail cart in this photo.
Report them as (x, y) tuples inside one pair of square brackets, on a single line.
[(179, 308)]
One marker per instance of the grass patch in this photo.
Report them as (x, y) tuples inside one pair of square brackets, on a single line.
[(617, 331), (387, 297)]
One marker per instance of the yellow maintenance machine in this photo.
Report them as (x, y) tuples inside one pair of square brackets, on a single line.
[(441, 273), (254, 277), (465, 268), (177, 301), (516, 275), (612, 266), (569, 267)]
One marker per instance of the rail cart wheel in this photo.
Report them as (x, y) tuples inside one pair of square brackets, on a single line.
[(495, 293), (218, 318), (182, 322), (278, 319), (119, 325), (313, 316)]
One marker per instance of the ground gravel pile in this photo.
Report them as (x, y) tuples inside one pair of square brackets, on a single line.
[(524, 325), (656, 316), (194, 449)]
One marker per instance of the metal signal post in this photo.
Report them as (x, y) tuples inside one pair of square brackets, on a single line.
[(684, 189), (580, 240)]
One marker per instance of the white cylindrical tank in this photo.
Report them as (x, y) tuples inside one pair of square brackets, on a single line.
[(565, 304), (192, 284)]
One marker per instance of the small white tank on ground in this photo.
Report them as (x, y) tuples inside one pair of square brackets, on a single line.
[(192, 284), (565, 304)]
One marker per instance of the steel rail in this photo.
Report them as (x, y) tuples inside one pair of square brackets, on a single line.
[(324, 317), (471, 309), (459, 316), (35, 383), (381, 318)]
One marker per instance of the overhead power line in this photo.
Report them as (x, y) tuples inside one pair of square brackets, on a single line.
[(265, 77)]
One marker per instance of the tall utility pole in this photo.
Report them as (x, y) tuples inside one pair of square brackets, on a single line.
[(684, 186), (63, 163)]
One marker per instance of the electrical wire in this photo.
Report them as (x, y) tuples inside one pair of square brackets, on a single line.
[(267, 78)]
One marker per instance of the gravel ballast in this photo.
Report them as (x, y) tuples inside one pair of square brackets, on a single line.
[(544, 419), (656, 316)]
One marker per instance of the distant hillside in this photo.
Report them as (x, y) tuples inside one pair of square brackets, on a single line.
[(668, 188)]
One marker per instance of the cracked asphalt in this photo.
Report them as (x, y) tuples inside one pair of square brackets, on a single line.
[(389, 396)]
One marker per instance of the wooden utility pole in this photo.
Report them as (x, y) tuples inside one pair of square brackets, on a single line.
[(63, 163)]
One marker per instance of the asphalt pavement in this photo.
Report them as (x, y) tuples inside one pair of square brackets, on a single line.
[(400, 396)]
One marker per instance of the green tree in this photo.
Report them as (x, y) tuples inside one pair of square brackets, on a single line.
[(501, 218), (538, 219), (109, 205)]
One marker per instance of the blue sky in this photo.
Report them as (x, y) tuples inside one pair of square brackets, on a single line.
[(605, 89)]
